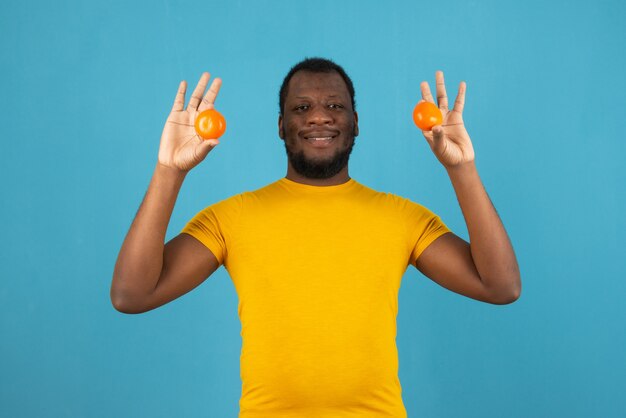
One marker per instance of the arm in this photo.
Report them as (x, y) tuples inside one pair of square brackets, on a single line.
[(148, 273), (485, 269)]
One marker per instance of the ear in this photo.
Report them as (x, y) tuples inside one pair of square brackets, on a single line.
[(281, 131), (356, 124)]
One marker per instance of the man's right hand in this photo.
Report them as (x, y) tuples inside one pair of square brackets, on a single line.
[(181, 147)]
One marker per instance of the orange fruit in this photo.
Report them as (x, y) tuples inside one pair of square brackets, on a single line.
[(426, 115), (210, 124)]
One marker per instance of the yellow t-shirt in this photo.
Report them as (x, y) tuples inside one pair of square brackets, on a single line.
[(317, 271)]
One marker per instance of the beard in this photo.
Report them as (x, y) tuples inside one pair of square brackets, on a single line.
[(319, 169)]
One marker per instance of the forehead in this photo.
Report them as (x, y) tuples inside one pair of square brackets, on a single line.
[(306, 83)]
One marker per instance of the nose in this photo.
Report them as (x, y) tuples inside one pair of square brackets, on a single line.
[(319, 115)]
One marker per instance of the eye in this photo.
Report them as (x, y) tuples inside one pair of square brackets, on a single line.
[(301, 108), (335, 106)]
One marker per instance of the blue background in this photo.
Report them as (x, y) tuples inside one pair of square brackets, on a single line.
[(87, 87)]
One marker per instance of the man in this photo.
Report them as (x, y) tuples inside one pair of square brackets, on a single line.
[(316, 257)]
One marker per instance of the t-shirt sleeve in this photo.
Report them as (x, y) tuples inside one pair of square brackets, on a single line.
[(215, 225), (424, 227)]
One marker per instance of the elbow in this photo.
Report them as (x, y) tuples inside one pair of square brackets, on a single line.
[(121, 305), (124, 303), (507, 295), (505, 299)]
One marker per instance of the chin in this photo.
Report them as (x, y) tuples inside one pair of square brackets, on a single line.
[(318, 169)]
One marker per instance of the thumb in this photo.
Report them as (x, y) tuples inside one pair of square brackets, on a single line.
[(206, 146), (438, 143)]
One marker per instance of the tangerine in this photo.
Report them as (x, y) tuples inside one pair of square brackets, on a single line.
[(426, 115), (210, 124)]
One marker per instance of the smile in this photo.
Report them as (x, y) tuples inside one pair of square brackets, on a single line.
[(319, 141)]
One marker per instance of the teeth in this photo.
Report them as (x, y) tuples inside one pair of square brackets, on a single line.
[(327, 138)]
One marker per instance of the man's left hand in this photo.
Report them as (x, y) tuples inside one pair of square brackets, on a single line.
[(449, 141)]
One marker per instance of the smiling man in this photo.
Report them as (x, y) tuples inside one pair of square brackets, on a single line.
[(316, 257), (317, 122)]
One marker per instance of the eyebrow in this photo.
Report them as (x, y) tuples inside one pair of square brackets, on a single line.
[(308, 97)]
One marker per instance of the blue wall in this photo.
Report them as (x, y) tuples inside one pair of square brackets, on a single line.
[(87, 87)]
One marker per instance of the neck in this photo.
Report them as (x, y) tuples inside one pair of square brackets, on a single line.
[(339, 178)]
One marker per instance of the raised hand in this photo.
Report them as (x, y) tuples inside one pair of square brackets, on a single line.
[(181, 147), (449, 141)]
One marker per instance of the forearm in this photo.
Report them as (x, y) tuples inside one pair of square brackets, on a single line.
[(490, 246), (140, 260)]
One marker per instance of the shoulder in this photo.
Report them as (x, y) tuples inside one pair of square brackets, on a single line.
[(226, 204), (235, 204), (394, 201)]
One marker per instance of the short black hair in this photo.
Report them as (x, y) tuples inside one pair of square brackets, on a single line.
[(314, 65)]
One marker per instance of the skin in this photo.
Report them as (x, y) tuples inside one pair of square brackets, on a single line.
[(486, 268), (149, 273), (318, 104)]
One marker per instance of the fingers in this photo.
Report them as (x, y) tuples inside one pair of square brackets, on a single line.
[(179, 101), (435, 139), (438, 143), (205, 147), (210, 143), (209, 98), (196, 96), (442, 98), (426, 95), (459, 103), (429, 137)]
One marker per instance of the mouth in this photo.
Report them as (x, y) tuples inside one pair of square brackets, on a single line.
[(320, 139)]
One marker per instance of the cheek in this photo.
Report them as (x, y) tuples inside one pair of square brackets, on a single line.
[(290, 128)]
